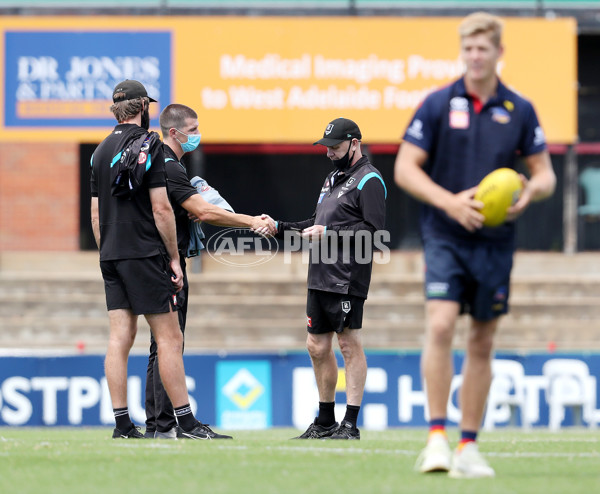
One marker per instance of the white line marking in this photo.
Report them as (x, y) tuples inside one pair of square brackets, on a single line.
[(524, 439), (406, 452)]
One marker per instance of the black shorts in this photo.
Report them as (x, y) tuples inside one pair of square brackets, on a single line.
[(142, 285), (328, 311)]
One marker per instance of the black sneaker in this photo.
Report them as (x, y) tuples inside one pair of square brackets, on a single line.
[(316, 431), (202, 432), (149, 434), (345, 431), (133, 433)]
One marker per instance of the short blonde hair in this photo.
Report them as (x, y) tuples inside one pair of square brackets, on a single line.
[(482, 22)]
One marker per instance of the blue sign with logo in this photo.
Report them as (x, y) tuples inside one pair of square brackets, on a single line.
[(257, 391), (244, 394), (66, 79)]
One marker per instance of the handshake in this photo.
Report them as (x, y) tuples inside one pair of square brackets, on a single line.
[(265, 225)]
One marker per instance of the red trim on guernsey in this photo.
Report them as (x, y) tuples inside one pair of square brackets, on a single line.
[(477, 104)]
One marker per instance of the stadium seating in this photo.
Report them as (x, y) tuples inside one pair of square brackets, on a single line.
[(56, 300)]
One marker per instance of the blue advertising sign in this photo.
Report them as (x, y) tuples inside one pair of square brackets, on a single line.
[(66, 79), (244, 394), (257, 391)]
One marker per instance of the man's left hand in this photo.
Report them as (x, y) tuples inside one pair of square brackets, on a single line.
[(519, 207), (314, 232)]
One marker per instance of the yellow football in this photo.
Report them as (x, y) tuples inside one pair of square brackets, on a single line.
[(498, 191)]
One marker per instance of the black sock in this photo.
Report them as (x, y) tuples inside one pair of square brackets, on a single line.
[(352, 414), (122, 419), (326, 415), (185, 417)]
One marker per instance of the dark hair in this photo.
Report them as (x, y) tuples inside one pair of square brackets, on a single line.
[(174, 117)]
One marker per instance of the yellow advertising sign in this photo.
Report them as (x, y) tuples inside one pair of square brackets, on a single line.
[(266, 80)]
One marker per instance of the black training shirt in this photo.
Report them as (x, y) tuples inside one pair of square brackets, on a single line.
[(127, 228), (352, 204), (179, 189)]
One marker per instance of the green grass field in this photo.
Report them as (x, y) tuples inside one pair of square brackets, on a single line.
[(80, 460)]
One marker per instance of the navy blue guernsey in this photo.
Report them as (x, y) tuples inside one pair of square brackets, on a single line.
[(352, 202), (464, 145), (127, 228)]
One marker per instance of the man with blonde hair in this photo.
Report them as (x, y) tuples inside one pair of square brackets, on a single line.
[(482, 23), (458, 135)]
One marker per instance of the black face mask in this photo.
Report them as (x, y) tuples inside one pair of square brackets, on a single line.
[(343, 163), (146, 118)]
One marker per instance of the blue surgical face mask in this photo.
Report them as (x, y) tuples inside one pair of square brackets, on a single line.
[(192, 142)]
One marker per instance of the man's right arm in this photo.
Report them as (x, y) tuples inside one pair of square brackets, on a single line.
[(410, 176), (298, 226), (215, 215), (165, 223)]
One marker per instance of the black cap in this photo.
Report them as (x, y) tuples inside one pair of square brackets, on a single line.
[(130, 89), (339, 130)]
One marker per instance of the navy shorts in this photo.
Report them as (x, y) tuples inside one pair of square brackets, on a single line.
[(476, 276), (328, 311), (142, 285)]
